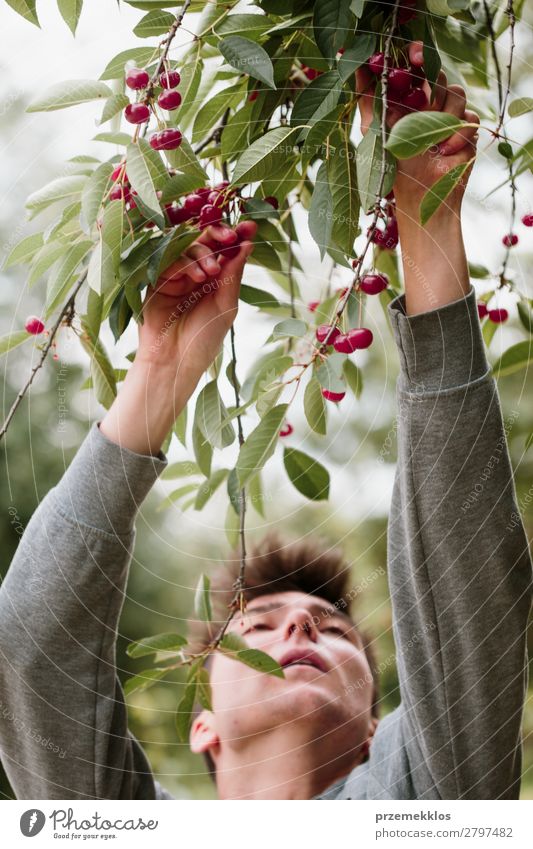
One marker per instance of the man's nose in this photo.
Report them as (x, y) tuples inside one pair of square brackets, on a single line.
[(300, 622)]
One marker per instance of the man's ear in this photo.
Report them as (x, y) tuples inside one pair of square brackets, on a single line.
[(203, 736)]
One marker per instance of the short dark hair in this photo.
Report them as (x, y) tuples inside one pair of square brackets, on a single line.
[(276, 565)]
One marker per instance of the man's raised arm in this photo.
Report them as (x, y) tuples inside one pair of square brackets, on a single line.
[(63, 723)]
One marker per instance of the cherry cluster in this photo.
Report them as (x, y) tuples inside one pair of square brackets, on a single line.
[(386, 238), (169, 99), (498, 316), (202, 207), (511, 239), (404, 83)]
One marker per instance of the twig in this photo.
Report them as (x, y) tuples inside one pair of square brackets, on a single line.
[(68, 313), (383, 171)]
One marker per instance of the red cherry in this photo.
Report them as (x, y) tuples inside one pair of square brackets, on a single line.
[(166, 140), (169, 79), (310, 73), (137, 113), (312, 305), (373, 284), (399, 80), (286, 430), (415, 100), (333, 396), (209, 215), (482, 310), (137, 78), (34, 325), (272, 201), (356, 339), (405, 13), (177, 214), (169, 99), (510, 239), (120, 171), (376, 63), (254, 94), (323, 330), (218, 199), (527, 220), (194, 203), (120, 192), (498, 316)]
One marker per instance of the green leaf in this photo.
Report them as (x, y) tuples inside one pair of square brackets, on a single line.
[(102, 371), (515, 358), (203, 451), (209, 487), (264, 155), (143, 680), (239, 23), (62, 188), (478, 272), (308, 475), (114, 70), (317, 99), (69, 93), (416, 133), (440, 190), (209, 415), (342, 179), (157, 643), (354, 377), (180, 184), (332, 23), (329, 374), (488, 331), (355, 56), (202, 599), (25, 250), (320, 219), (44, 259), (184, 159), (315, 407), (179, 470), (61, 277), (141, 179), (525, 314), (255, 495), (112, 230), (235, 647), (260, 444), (122, 139), (520, 106), (258, 297), (294, 327), (113, 105), (25, 8), (249, 57), (11, 340), (94, 191), (369, 163), (70, 12), (101, 272), (154, 23), (184, 713), (203, 693), (213, 110), (180, 426)]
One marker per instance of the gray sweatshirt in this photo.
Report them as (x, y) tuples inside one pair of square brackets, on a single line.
[(460, 582)]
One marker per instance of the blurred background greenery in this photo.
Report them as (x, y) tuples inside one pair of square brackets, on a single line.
[(172, 548)]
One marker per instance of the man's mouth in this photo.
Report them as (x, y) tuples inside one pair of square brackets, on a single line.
[(303, 658)]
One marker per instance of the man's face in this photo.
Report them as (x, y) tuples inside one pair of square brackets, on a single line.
[(327, 685)]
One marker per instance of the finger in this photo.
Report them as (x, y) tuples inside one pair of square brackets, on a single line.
[(455, 102), (228, 292), (205, 257), (184, 266), (246, 230), (462, 138), (218, 233), (416, 53)]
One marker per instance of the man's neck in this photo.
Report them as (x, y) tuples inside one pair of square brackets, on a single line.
[(282, 764)]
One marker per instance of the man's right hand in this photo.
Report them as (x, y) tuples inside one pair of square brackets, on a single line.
[(186, 317)]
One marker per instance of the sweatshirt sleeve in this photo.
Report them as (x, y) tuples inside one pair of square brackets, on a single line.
[(459, 568), (63, 724)]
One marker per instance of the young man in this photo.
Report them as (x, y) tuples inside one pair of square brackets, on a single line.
[(460, 580)]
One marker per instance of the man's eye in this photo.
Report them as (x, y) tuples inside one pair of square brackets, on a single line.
[(334, 629), (258, 626)]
